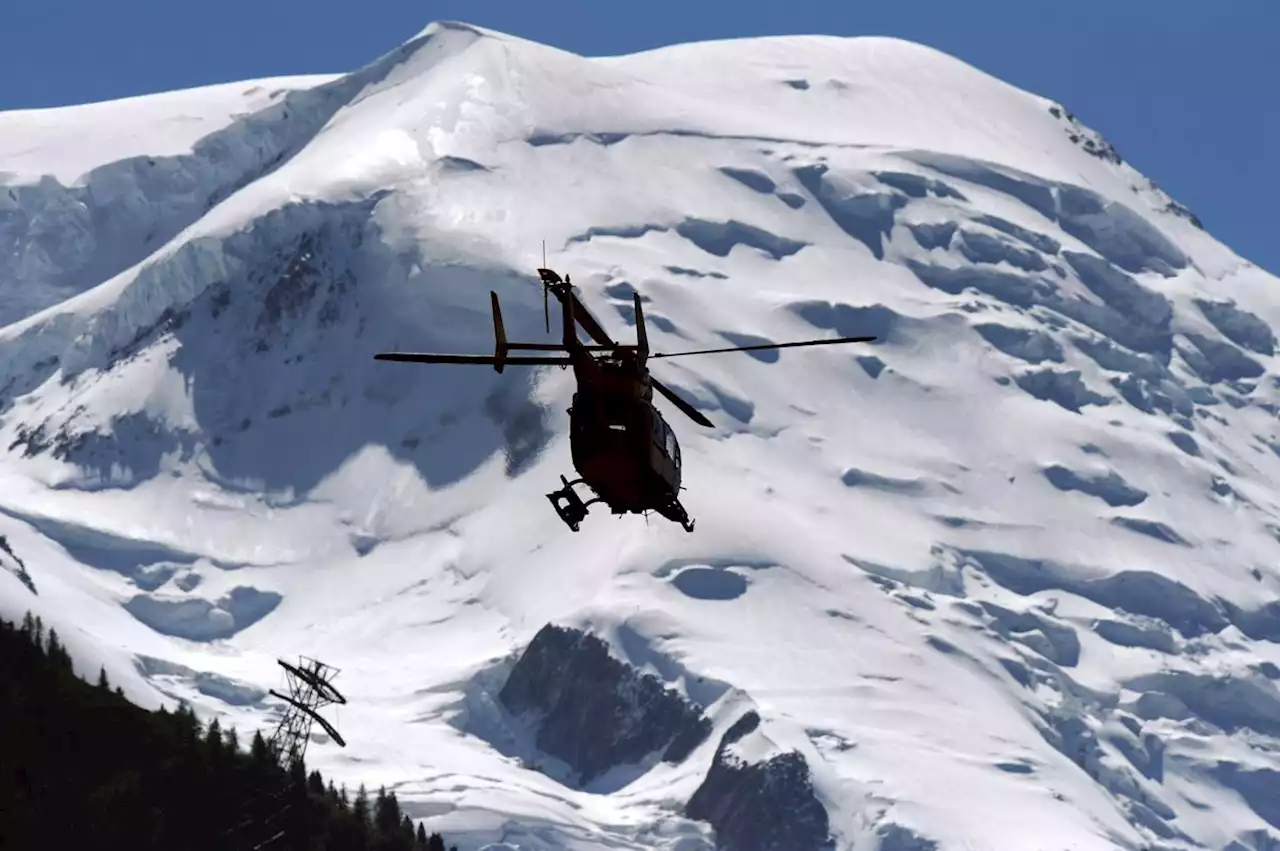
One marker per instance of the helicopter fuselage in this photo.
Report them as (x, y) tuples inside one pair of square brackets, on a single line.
[(621, 446)]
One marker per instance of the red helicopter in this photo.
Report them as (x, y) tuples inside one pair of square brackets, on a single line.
[(622, 448)]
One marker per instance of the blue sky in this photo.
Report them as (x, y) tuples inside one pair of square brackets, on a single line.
[(1185, 89)]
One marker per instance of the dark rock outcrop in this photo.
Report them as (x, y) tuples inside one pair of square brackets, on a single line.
[(18, 569), (595, 712), (760, 806)]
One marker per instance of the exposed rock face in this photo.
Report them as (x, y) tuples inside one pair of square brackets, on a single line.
[(760, 806), (595, 711), (17, 568)]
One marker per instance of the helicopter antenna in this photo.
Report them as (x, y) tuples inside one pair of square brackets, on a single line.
[(546, 310)]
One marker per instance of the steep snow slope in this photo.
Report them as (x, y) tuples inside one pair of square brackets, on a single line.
[(1003, 579), (92, 189), (69, 142)]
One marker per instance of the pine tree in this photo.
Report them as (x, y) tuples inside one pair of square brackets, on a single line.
[(102, 680), (231, 740), (213, 739), (421, 842), (188, 727), (386, 813), (259, 751), (57, 652), (361, 805), (360, 810), (435, 843), (315, 783)]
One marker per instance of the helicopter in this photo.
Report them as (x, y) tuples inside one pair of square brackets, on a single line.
[(621, 446)]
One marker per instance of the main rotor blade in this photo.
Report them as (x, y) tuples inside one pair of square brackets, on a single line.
[(490, 360), (588, 322), (766, 346), (685, 408), (552, 282), (642, 334)]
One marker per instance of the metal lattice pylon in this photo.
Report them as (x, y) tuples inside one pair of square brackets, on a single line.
[(310, 689)]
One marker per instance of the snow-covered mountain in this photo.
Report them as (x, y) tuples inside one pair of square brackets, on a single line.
[(1004, 579)]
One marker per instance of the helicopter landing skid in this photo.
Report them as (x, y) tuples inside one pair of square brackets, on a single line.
[(573, 510), (675, 512), (569, 505)]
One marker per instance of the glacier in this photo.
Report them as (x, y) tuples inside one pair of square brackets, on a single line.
[(1004, 578)]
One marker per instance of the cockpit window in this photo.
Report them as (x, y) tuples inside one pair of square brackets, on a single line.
[(666, 438)]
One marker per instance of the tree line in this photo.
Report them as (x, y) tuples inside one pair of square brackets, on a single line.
[(81, 765)]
